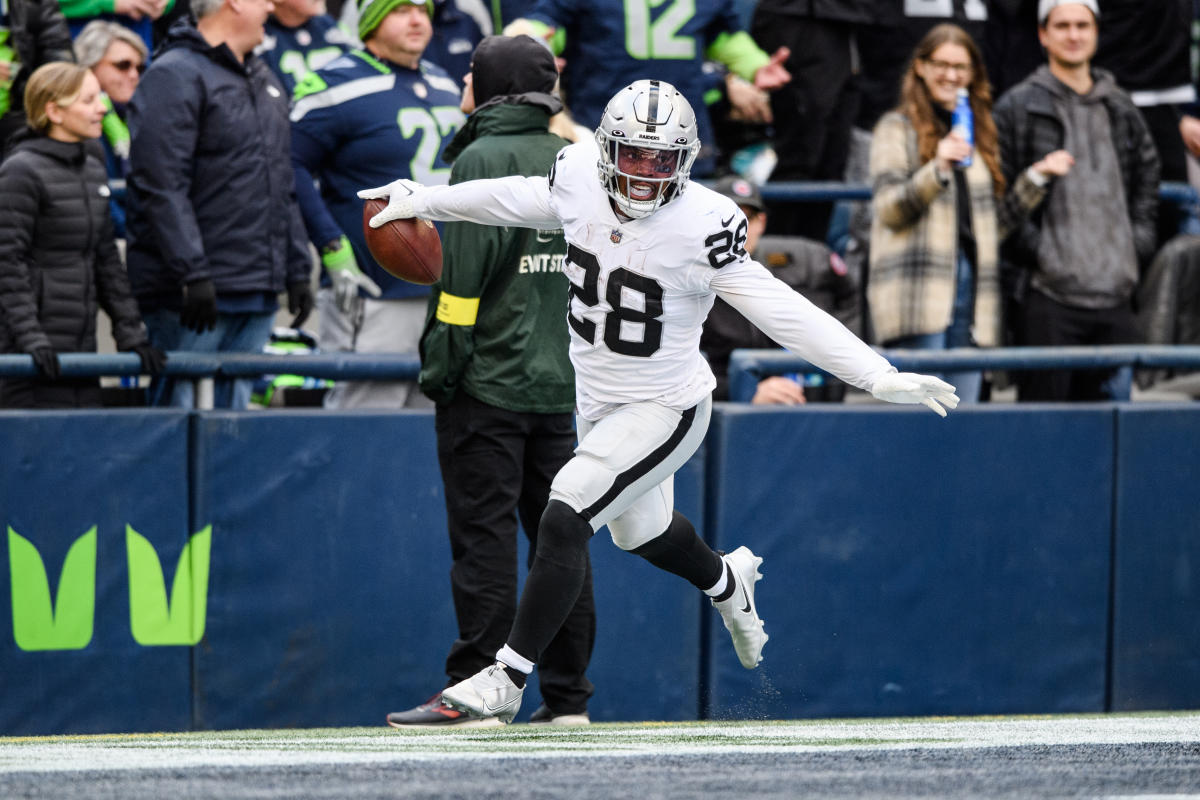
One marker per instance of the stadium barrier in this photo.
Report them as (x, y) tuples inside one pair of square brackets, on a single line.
[(169, 569)]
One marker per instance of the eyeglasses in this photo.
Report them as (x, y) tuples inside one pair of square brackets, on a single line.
[(126, 64), (946, 66)]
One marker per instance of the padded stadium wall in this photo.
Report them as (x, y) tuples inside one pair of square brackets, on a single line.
[(167, 570)]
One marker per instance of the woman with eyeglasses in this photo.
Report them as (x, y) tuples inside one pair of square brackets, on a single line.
[(58, 260), (117, 57), (941, 208)]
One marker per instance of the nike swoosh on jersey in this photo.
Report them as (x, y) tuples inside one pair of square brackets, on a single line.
[(725, 222)]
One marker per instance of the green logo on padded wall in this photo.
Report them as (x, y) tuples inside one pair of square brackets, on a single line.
[(66, 622)]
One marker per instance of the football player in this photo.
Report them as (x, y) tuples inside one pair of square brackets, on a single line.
[(646, 254)]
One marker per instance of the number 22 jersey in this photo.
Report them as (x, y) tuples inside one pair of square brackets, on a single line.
[(641, 289)]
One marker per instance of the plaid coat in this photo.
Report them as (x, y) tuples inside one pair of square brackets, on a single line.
[(914, 238)]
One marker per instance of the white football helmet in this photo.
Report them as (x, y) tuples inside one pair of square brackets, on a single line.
[(648, 141)]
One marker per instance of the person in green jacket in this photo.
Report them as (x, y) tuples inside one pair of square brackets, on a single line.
[(494, 360)]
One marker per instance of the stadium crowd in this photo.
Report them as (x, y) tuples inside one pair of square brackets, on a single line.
[(235, 133)]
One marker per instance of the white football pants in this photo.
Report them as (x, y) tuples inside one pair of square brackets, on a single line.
[(622, 472)]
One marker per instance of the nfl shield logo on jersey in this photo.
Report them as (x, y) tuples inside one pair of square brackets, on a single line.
[(615, 236)]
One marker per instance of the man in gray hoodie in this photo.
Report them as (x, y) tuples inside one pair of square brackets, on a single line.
[(1074, 265)]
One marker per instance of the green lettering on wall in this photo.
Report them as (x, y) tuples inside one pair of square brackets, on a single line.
[(67, 624), (152, 621)]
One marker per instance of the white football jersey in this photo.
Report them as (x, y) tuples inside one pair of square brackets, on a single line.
[(641, 289)]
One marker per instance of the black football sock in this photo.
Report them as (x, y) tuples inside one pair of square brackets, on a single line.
[(555, 580), (681, 552)]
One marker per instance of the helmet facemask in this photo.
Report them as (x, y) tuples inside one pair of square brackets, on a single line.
[(647, 141)]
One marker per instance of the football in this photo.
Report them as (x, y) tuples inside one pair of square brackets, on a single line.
[(410, 249)]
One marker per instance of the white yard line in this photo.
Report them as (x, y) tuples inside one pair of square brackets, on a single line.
[(363, 745)]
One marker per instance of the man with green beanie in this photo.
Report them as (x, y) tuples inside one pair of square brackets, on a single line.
[(494, 358), (368, 114)]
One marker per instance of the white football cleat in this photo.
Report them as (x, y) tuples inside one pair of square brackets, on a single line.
[(738, 610), (488, 693)]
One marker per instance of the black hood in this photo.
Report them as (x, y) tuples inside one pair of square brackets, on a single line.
[(511, 65)]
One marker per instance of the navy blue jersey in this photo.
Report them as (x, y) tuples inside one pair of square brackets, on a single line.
[(361, 122), (292, 53), (612, 43)]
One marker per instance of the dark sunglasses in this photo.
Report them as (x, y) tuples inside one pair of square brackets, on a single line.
[(127, 64)]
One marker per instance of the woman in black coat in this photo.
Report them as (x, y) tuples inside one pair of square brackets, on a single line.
[(58, 260)]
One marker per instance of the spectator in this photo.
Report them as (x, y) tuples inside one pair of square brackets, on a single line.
[(884, 49), (934, 271), (356, 122), (494, 357), (214, 231), (814, 112), (37, 34), (117, 57), (1147, 47), (1168, 302), (58, 259), (607, 49), (807, 266), (1075, 260), (300, 39), (458, 26)]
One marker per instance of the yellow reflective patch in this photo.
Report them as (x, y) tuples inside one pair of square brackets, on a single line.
[(457, 310)]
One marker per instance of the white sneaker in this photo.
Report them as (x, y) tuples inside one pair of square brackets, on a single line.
[(488, 693), (738, 610)]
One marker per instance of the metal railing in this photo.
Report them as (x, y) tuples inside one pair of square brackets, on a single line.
[(748, 367), (1181, 194)]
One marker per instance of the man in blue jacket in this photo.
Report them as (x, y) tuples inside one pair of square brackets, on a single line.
[(372, 113), (214, 230)]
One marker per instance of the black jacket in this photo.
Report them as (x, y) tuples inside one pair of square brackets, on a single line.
[(211, 192), (1029, 128), (58, 260)]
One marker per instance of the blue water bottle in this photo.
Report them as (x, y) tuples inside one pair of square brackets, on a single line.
[(963, 123)]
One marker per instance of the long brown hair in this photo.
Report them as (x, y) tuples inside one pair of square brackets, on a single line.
[(917, 105)]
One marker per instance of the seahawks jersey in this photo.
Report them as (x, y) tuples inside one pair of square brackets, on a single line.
[(641, 289), (292, 53), (360, 121)]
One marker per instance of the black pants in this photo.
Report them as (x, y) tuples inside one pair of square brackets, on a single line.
[(1047, 323), (496, 465), (813, 113)]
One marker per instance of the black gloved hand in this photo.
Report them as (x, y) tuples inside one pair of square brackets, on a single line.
[(46, 360), (153, 359), (300, 301), (199, 312)]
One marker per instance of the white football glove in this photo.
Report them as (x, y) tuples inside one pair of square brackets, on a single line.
[(909, 387), (399, 196)]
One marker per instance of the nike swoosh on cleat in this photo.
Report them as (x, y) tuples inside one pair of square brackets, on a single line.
[(746, 597), (725, 222)]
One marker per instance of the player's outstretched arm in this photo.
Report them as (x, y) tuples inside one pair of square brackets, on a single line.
[(515, 200), (399, 196), (909, 387)]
